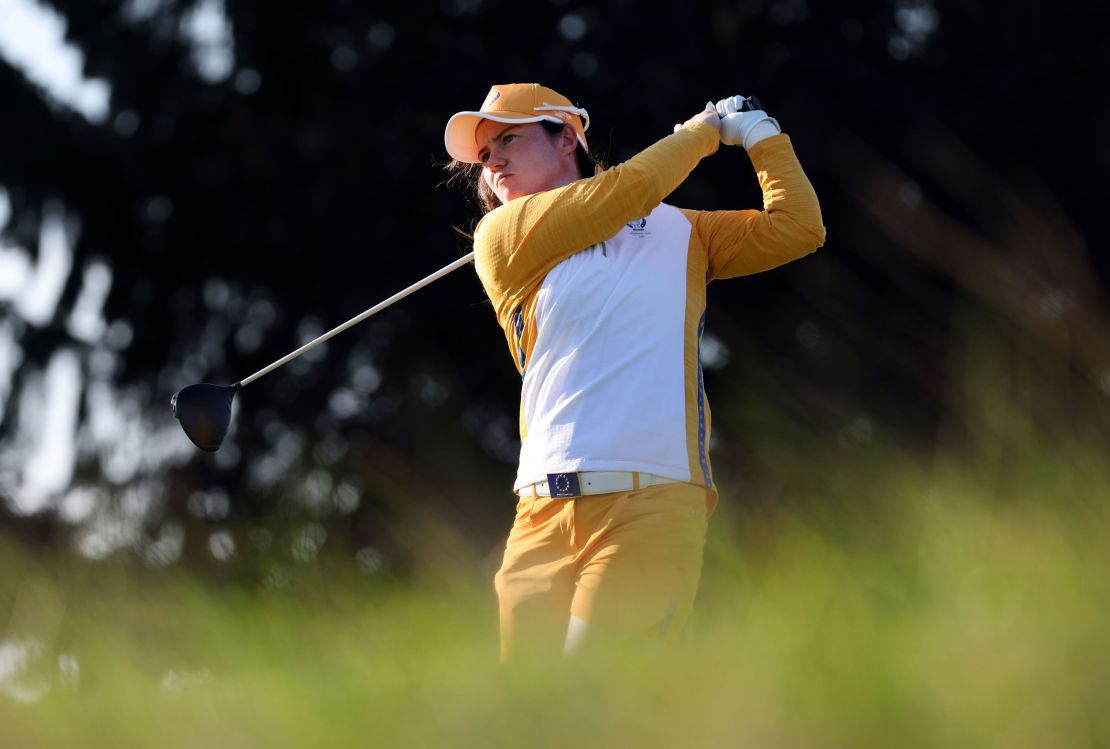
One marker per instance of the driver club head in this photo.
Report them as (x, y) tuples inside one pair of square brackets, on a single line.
[(204, 412)]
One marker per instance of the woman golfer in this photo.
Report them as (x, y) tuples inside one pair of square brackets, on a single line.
[(600, 288)]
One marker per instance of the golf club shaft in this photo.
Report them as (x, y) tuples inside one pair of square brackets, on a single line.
[(356, 320)]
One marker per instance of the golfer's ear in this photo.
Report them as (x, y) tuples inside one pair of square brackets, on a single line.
[(569, 140)]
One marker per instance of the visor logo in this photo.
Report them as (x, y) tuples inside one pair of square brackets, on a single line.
[(493, 96)]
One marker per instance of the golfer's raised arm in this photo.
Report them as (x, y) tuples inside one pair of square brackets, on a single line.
[(741, 242), (789, 226)]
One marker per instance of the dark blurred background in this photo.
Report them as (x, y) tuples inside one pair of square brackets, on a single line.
[(191, 189)]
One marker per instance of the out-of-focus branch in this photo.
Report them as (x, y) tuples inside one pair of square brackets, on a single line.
[(1025, 259)]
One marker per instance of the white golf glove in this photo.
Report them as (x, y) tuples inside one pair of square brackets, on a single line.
[(744, 123)]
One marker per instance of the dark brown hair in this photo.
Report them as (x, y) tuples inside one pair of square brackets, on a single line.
[(470, 175)]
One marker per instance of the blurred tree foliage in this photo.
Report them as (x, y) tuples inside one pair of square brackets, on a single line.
[(959, 151)]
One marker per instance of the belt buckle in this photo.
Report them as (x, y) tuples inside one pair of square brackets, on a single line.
[(564, 485)]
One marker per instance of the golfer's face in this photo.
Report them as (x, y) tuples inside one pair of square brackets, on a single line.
[(517, 160)]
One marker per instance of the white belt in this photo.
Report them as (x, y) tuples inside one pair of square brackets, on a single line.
[(582, 483)]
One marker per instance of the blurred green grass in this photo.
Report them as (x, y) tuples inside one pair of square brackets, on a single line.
[(919, 607)]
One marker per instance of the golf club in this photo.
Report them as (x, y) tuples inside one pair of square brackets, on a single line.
[(204, 410)]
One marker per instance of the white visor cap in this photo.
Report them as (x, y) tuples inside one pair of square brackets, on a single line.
[(513, 103)]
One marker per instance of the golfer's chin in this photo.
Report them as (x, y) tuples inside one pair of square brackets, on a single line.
[(510, 188)]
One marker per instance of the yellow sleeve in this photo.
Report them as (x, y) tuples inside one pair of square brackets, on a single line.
[(788, 227), (516, 244)]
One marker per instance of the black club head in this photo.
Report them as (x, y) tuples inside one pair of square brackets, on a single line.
[(204, 412)]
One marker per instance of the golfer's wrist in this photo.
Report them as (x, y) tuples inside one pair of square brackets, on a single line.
[(763, 130), (709, 134)]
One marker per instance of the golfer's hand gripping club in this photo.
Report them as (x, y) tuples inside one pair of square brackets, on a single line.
[(743, 121), (708, 116)]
